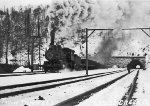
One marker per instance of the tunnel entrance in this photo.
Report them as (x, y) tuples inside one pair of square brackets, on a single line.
[(138, 66), (135, 64)]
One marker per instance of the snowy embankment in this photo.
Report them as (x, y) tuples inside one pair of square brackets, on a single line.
[(56, 95), (111, 96), (22, 69), (142, 94), (12, 80)]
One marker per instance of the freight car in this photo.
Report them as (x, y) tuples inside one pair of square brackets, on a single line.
[(59, 58), (91, 64)]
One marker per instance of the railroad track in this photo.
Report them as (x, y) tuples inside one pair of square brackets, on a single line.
[(127, 99), (13, 90), (81, 97), (22, 74)]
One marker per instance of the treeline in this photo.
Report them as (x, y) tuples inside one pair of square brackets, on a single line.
[(19, 28), (61, 21)]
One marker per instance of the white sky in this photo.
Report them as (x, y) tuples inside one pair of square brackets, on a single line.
[(139, 14), (16, 3)]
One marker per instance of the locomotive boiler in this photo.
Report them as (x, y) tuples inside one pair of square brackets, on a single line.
[(59, 58)]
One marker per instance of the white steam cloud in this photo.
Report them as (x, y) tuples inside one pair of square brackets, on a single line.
[(74, 15)]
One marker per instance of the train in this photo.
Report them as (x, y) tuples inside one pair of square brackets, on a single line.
[(60, 58)]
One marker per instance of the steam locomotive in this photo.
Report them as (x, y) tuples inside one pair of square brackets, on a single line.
[(60, 58)]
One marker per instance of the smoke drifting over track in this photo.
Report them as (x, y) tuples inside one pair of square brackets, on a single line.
[(74, 15)]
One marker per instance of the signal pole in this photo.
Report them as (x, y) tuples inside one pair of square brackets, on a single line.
[(7, 35), (28, 33), (86, 51), (39, 43), (32, 53), (93, 30), (87, 36)]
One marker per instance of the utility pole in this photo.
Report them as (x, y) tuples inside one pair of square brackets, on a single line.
[(39, 43), (0, 36), (86, 51), (93, 30), (87, 36), (1, 51), (32, 50), (7, 35), (28, 33), (32, 54)]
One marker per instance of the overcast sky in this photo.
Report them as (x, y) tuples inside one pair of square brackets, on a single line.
[(16, 3), (107, 14)]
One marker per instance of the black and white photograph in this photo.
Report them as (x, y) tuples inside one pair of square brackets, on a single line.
[(74, 52)]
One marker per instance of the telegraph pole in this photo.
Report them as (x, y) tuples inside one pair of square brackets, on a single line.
[(87, 36), (28, 33), (32, 54), (32, 50), (93, 30), (86, 51), (39, 43), (7, 35)]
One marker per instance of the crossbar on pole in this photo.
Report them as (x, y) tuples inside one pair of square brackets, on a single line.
[(105, 29)]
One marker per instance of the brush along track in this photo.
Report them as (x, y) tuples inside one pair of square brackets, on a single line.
[(13, 90), (81, 97), (127, 99)]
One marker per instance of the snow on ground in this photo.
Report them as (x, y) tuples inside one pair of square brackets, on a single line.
[(113, 94), (110, 96), (11, 80), (58, 94), (143, 89), (22, 69)]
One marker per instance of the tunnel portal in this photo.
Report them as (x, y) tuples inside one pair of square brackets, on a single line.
[(123, 61), (134, 63)]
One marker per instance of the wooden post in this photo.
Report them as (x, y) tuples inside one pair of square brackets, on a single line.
[(86, 51), (0, 34), (7, 48), (39, 43), (32, 54), (28, 52), (28, 33), (7, 35), (39, 53)]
